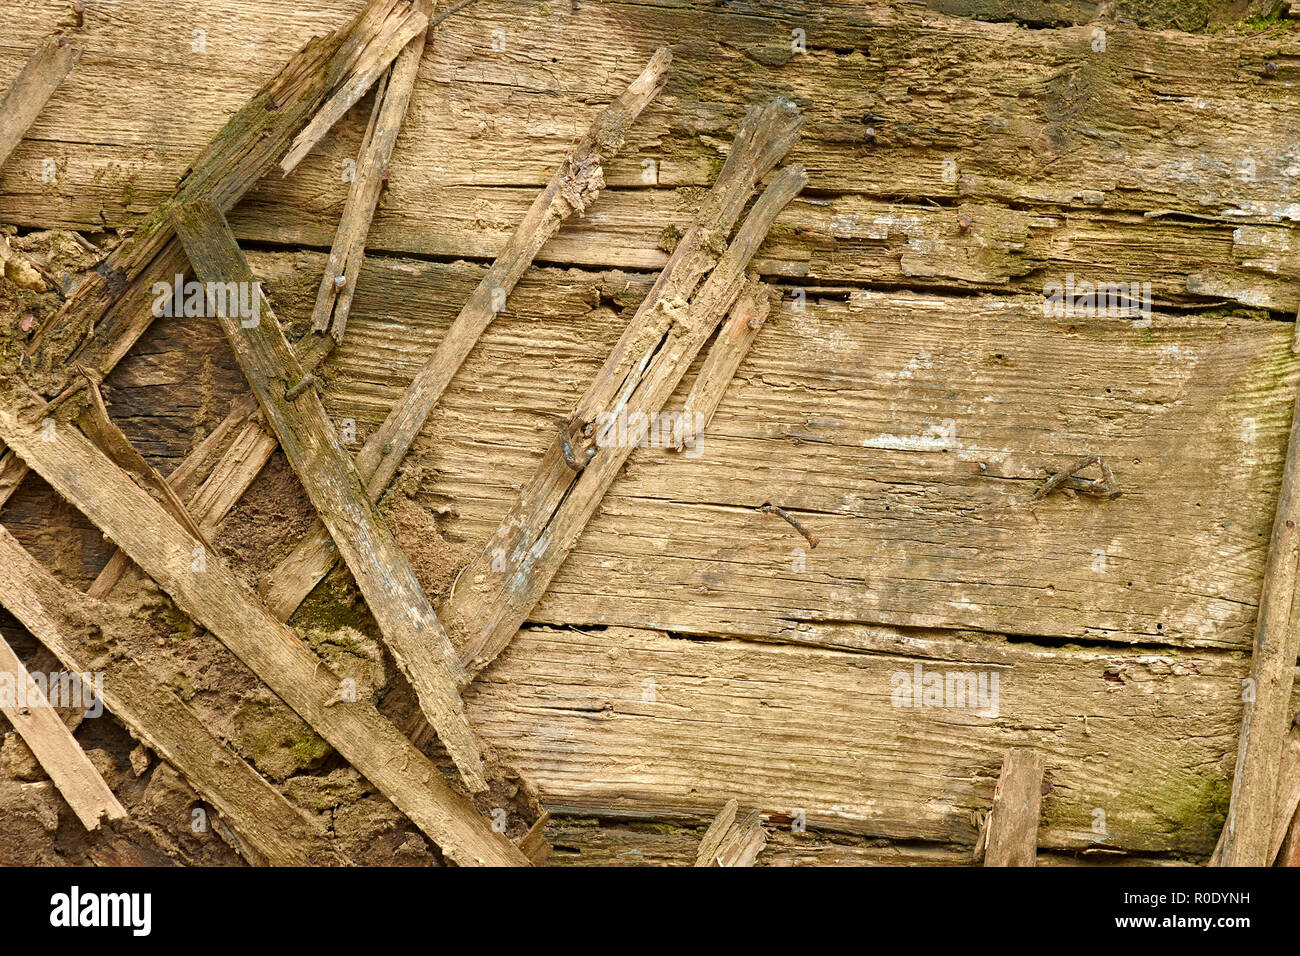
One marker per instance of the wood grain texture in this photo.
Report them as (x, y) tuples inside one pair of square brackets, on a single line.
[(220, 602), (839, 415), (32, 89), (575, 185), (310, 440), (1059, 152), (639, 725), (50, 740), (687, 301), (1247, 833), (85, 635), (1010, 833)]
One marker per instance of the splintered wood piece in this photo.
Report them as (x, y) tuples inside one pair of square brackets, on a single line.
[(220, 602), (52, 742), (1010, 834), (730, 841), (1247, 832), (109, 312), (83, 636), (488, 605), (743, 842), (402, 25), (99, 428), (724, 357), (12, 473), (533, 843), (310, 441), (765, 135), (574, 186), (29, 93), (1288, 792), (712, 838)]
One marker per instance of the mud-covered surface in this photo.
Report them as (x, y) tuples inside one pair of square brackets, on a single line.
[(168, 822)]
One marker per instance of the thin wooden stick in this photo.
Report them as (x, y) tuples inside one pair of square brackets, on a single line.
[(725, 355), (84, 635), (573, 187), (1010, 833), (220, 602), (55, 748), (339, 284), (310, 441), (537, 534), (730, 841), (29, 93), (110, 310), (405, 25), (1247, 832)]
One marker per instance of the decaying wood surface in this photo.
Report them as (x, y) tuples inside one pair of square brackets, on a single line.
[(729, 841), (29, 93), (1200, 218), (608, 718), (109, 312), (575, 185), (1287, 804), (41, 728), (1009, 836), (83, 636), (310, 440), (724, 358), (895, 492), (334, 301), (402, 24), (514, 569), (220, 602), (1266, 693)]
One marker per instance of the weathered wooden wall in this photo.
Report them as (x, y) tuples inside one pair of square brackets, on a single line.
[(905, 414)]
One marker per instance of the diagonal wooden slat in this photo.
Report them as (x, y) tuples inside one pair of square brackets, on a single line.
[(217, 600)]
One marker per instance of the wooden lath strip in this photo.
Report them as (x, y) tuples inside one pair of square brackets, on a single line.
[(218, 601), (310, 441), (83, 636), (405, 23), (338, 285), (1248, 830), (723, 359), (487, 605), (52, 742), (32, 89), (113, 307), (1009, 836)]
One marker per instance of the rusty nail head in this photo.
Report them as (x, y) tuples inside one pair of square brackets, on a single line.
[(1270, 68), (340, 281), (964, 222)]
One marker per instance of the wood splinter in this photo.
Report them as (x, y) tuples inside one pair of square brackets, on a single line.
[(732, 842), (1105, 487), (1009, 836)]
